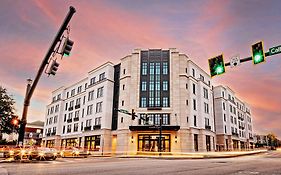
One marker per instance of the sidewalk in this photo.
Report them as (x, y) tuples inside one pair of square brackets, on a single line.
[(205, 155)]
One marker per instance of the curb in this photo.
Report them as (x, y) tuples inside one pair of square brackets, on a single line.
[(194, 157)]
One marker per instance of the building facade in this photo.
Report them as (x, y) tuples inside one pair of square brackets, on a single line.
[(162, 85), (234, 126)]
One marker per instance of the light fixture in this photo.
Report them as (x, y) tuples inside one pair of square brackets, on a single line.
[(176, 139), (132, 139)]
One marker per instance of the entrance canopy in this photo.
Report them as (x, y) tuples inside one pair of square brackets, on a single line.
[(154, 128)]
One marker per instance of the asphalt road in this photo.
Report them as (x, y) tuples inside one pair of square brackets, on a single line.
[(262, 164)]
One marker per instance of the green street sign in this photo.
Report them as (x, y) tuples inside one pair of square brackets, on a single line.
[(275, 50)]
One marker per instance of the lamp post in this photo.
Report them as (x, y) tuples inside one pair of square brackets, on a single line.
[(160, 137)]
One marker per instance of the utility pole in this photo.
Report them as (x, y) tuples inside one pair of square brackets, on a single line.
[(31, 86)]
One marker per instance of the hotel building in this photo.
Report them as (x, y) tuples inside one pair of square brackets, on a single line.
[(161, 84), (234, 126)]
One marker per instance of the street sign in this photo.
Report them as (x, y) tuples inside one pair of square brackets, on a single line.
[(275, 50), (235, 61)]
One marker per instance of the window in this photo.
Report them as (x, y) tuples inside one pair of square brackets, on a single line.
[(79, 89), (76, 115), (123, 87), (98, 121), (194, 104), (231, 119), (223, 105), (143, 86), (81, 126), (99, 107), (52, 109), (165, 68), (165, 85), (224, 117), (186, 70), (92, 80), (56, 119), (47, 122), (165, 119), (223, 94), (71, 104), (48, 112), (165, 102), (143, 102), (194, 88), (68, 128), (70, 115), (100, 92), (193, 72), (122, 119), (54, 99), (186, 102), (201, 77), (186, 119), (63, 129), (205, 93), (78, 101), (186, 86), (57, 108), (59, 97), (84, 100), (75, 127), (206, 108), (72, 92), (225, 131), (157, 119), (144, 68), (90, 95), (50, 120), (64, 117), (102, 76), (207, 122), (88, 122), (195, 120), (83, 113), (67, 94), (122, 103), (86, 86), (89, 109), (124, 71)]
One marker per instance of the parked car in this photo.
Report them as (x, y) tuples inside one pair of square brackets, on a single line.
[(41, 153), (73, 152)]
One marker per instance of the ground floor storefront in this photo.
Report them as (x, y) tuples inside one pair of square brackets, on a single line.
[(136, 141), (230, 143)]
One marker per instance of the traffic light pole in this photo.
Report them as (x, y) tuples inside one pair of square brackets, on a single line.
[(247, 59), (32, 86)]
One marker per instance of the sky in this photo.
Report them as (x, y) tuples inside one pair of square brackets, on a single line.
[(109, 30)]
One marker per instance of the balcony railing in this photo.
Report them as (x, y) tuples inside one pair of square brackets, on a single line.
[(48, 134), (208, 127), (87, 128), (53, 133), (69, 120), (70, 108), (96, 127), (76, 119), (235, 134), (77, 106)]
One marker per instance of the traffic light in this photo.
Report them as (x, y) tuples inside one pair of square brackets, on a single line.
[(133, 114), (67, 47), (258, 55), (53, 68), (216, 65)]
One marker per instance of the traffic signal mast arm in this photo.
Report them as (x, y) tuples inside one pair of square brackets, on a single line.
[(130, 114), (247, 59)]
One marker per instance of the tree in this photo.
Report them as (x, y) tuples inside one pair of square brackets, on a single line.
[(272, 139), (9, 122)]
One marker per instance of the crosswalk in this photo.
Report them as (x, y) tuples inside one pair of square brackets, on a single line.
[(273, 154)]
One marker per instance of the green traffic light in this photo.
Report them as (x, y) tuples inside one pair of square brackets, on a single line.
[(66, 54), (219, 69), (258, 55)]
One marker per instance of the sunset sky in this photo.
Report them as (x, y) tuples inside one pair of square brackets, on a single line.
[(109, 30)]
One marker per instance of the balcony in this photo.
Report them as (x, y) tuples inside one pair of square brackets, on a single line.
[(77, 106), (70, 108), (69, 120), (235, 134), (76, 119), (53, 133), (87, 128), (96, 127), (48, 134), (208, 127)]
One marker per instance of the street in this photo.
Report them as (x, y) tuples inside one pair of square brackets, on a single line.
[(263, 164)]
